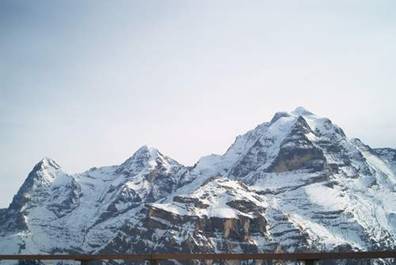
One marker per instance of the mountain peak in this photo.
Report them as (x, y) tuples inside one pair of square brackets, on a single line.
[(38, 180), (301, 111), (144, 156), (145, 153), (46, 163), (279, 115)]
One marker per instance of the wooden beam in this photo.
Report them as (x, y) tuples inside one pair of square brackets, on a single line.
[(303, 256)]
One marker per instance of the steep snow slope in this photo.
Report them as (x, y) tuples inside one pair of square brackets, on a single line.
[(294, 183)]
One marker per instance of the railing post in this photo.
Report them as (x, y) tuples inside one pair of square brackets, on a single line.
[(154, 262), (309, 262), (84, 262)]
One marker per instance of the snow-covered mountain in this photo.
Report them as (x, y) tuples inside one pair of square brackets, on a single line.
[(294, 183)]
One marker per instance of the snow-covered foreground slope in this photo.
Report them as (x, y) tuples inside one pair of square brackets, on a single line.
[(292, 184)]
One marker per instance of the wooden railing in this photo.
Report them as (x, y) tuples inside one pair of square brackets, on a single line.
[(308, 257)]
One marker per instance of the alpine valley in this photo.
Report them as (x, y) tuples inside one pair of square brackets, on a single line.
[(296, 183)]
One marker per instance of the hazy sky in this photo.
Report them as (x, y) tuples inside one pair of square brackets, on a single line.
[(88, 82)]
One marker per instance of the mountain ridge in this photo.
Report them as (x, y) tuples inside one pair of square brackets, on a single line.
[(294, 183)]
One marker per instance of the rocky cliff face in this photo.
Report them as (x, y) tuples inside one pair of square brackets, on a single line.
[(292, 184)]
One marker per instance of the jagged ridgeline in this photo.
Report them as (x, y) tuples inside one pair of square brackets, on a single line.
[(292, 184)]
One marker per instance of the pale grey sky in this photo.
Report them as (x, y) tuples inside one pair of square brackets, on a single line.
[(88, 82)]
